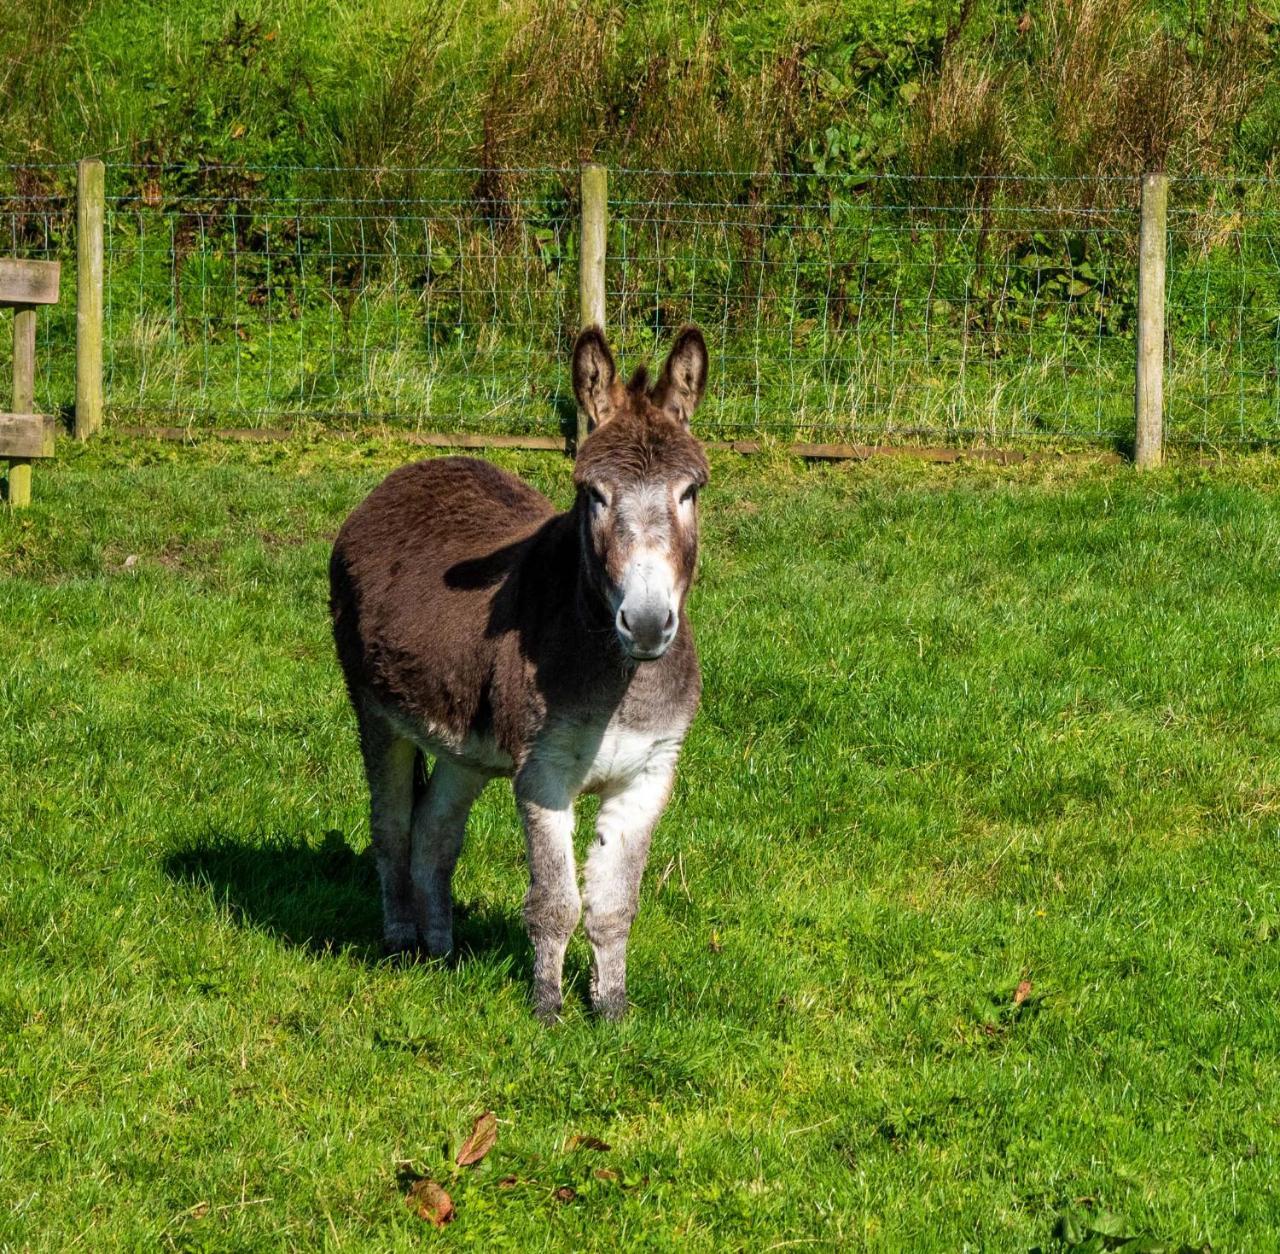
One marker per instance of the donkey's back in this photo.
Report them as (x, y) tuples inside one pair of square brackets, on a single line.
[(413, 578), (400, 542)]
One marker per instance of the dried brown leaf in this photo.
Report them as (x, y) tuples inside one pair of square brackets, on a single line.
[(429, 1201), (508, 1182), (565, 1193), (589, 1142), (1022, 992), (603, 1173), (484, 1135)]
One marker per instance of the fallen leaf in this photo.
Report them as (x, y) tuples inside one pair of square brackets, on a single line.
[(508, 1182), (130, 562), (484, 1135), (429, 1201), (603, 1173), (1022, 992), (714, 943), (1024, 23), (237, 131), (151, 193), (589, 1142), (565, 1193)]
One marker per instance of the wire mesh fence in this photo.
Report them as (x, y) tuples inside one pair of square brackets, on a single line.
[(1223, 311), (836, 307), (39, 224), (895, 307)]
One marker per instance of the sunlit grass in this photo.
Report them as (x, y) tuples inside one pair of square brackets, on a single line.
[(965, 910)]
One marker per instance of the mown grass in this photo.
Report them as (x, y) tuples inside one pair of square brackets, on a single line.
[(965, 911)]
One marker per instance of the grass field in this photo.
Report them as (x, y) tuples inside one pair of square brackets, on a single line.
[(962, 929)]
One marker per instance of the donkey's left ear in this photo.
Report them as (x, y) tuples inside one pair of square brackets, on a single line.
[(684, 377)]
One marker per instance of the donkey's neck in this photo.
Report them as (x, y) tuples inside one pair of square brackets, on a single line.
[(568, 629)]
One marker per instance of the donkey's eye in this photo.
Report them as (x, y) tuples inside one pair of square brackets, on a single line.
[(689, 494), (597, 497)]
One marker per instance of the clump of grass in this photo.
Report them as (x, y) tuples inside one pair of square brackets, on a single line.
[(1086, 88), (962, 122), (33, 43)]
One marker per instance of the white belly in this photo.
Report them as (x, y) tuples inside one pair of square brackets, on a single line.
[(479, 753), (578, 757)]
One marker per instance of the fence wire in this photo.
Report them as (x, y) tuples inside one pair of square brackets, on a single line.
[(835, 307), (1223, 311), (898, 307)]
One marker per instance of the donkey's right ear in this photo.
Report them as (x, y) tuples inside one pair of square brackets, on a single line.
[(593, 375)]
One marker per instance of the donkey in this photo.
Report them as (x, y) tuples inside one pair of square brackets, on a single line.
[(475, 624)]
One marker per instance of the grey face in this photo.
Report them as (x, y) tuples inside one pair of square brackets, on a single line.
[(638, 475), (644, 537)]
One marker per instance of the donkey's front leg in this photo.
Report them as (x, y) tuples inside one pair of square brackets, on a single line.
[(612, 877), (552, 905)]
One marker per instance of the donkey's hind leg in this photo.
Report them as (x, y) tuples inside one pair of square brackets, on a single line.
[(439, 826), (389, 766)]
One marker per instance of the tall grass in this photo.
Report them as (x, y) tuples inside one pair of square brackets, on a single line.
[(286, 240), (1085, 87)]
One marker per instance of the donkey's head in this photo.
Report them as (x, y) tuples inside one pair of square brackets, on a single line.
[(638, 475)]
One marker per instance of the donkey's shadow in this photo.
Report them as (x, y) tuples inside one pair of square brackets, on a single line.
[(325, 899)]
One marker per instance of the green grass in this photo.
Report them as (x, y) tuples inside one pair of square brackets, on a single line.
[(964, 727)]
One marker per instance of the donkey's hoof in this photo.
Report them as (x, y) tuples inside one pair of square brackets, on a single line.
[(611, 1007), (401, 953), (547, 1004)]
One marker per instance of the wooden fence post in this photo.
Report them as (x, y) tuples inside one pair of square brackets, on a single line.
[(24, 395), (591, 255), (90, 206), (1148, 443)]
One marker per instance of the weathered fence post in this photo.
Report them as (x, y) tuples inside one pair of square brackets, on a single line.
[(90, 205), (591, 254), (24, 395), (1148, 444)]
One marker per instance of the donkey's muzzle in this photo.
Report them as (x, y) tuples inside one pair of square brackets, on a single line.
[(646, 631)]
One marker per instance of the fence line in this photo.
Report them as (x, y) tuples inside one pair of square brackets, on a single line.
[(835, 306)]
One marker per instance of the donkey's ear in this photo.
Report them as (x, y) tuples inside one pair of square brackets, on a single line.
[(684, 377), (593, 375)]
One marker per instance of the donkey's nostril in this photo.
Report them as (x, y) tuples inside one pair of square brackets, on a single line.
[(622, 620), (669, 625)]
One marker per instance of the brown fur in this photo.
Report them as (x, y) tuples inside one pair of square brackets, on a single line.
[(472, 621)]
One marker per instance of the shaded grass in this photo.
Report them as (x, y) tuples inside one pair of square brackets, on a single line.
[(963, 727)]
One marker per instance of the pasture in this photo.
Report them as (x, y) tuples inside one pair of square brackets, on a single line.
[(962, 929)]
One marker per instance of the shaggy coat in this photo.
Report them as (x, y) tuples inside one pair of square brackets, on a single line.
[(478, 626)]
